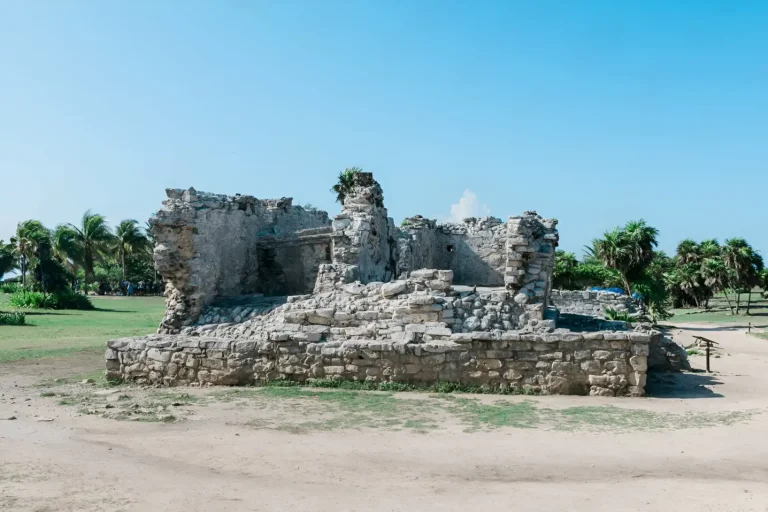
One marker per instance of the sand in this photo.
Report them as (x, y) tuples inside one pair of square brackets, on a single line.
[(213, 461)]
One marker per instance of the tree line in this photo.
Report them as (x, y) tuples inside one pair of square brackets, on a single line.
[(626, 257), (89, 256)]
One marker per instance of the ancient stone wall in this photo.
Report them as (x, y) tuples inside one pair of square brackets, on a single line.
[(420, 244), (603, 363), (382, 310), (289, 265), (518, 254), (420, 329), (363, 234), (476, 251), (208, 246), (592, 303)]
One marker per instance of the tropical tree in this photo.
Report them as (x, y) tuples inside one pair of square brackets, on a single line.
[(91, 241), (710, 249), (753, 275), (688, 251), (642, 240), (345, 183), (67, 250), (627, 250), (563, 274), (744, 264), (129, 239), (30, 234), (717, 277), (686, 278), (7, 259)]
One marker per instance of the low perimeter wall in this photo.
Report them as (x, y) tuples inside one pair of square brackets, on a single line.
[(597, 363), (590, 303)]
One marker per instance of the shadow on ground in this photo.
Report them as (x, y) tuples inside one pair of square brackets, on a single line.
[(682, 385)]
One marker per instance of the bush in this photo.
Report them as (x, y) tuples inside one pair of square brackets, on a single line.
[(621, 316), (38, 300), (10, 287), (13, 318)]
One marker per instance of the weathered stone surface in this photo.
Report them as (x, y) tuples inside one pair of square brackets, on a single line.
[(348, 317), (394, 288), (594, 304), (459, 359)]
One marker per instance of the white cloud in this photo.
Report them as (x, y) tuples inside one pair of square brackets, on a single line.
[(468, 206)]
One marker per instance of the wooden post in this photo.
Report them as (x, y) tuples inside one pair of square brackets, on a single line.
[(708, 357), (708, 344)]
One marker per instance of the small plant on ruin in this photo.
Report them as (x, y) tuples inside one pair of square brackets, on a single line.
[(345, 183), (619, 316)]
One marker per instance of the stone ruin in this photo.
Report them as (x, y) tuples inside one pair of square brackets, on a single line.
[(260, 290)]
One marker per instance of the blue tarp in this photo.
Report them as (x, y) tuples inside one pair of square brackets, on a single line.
[(612, 290)]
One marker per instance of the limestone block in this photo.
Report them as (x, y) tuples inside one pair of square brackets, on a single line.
[(600, 391), (639, 363), (393, 288), (158, 355)]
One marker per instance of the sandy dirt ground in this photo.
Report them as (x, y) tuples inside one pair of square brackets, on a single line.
[(53, 458)]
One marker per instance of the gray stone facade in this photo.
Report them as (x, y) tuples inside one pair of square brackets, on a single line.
[(261, 289), (588, 303), (603, 364), (518, 253), (419, 329), (211, 245)]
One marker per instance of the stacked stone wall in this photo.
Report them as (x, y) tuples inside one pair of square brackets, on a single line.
[(603, 364), (363, 234), (423, 307), (592, 303), (476, 251), (518, 254), (208, 246)]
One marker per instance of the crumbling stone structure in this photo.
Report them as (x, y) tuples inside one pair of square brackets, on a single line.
[(592, 303), (261, 289), (211, 245)]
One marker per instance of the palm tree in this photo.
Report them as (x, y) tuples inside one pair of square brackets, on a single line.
[(687, 278), (613, 251), (129, 238), (753, 275), (67, 250), (151, 243), (717, 277), (627, 249), (642, 240), (26, 244), (745, 264), (7, 259), (345, 183), (91, 240), (688, 251), (710, 248)]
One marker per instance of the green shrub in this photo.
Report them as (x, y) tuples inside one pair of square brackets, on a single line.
[(38, 300), (621, 316), (12, 318), (10, 287)]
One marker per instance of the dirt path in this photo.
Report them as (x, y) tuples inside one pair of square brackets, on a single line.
[(217, 460)]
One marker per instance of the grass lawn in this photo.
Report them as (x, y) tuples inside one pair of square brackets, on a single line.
[(57, 333), (719, 313)]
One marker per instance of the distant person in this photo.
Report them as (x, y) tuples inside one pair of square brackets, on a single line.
[(130, 289)]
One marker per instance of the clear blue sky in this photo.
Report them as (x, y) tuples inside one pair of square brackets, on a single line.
[(591, 112)]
